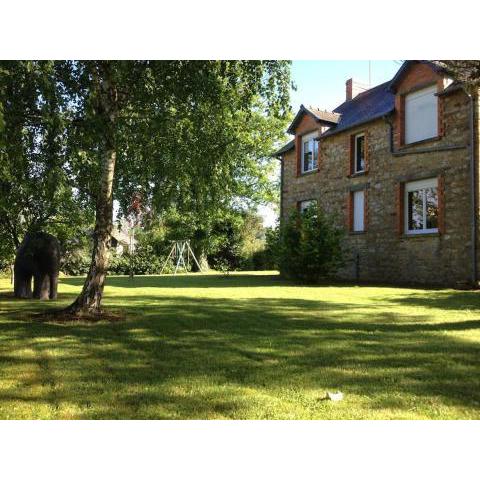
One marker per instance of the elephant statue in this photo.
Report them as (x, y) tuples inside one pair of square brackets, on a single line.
[(38, 256)]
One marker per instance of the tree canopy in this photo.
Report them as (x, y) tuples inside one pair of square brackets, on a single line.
[(193, 134)]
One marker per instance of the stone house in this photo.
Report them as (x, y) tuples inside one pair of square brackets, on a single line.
[(398, 165)]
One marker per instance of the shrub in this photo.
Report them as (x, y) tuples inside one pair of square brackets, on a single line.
[(143, 261), (76, 261), (309, 246)]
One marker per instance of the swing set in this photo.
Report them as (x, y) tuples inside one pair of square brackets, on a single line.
[(181, 252)]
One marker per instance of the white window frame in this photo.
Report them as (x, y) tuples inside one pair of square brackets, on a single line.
[(361, 212), (304, 204), (413, 187), (309, 138), (411, 133), (355, 153)]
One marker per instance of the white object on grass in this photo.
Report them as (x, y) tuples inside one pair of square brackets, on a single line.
[(334, 396)]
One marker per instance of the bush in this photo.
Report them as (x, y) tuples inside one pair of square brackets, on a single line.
[(76, 261), (309, 246), (143, 261)]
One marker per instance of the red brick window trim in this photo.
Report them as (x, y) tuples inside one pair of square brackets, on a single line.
[(314, 146), (400, 206), (421, 206), (441, 203), (360, 195), (298, 153), (358, 156)]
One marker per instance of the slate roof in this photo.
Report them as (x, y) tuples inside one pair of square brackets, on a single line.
[(323, 116), (365, 107), (289, 146)]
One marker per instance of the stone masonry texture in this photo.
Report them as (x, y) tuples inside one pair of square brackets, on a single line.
[(382, 253)]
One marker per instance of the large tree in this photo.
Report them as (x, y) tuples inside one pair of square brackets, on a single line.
[(465, 71), (171, 131), (36, 191)]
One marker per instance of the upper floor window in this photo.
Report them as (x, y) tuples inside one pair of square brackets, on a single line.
[(309, 152), (359, 154), (421, 115), (421, 206)]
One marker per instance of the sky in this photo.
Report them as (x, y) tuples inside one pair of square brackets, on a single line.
[(321, 84)]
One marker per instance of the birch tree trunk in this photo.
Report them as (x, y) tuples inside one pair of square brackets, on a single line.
[(90, 299)]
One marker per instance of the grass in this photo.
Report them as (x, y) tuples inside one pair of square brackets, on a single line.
[(246, 346)]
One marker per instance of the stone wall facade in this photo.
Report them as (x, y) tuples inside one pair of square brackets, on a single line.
[(383, 252)]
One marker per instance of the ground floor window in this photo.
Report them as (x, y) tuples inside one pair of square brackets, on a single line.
[(358, 199), (421, 206), (304, 204)]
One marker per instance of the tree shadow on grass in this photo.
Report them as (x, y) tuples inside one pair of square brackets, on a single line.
[(184, 357), (443, 300), (195, 280)]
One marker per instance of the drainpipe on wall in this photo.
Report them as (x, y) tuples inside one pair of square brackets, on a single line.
[(281, 189), (473, 190), (390, 124)]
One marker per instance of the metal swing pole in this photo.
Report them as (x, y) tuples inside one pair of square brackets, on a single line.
[(193, 256), (168, 258), (180, 257)]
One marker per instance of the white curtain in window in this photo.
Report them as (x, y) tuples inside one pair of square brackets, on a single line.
[(421, 115)]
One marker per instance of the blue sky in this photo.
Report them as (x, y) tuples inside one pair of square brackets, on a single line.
[(321, 83)]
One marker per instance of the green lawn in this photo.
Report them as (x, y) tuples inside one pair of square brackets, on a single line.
[(246, 346)]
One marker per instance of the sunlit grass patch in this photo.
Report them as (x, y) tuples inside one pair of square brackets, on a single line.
[(246, 345)]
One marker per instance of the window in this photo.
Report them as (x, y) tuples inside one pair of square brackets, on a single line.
[(421, 115), (309, 153), (421, 206), (358, 198), (304, 204), (359, 154)]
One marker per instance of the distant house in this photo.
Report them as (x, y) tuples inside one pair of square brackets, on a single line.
[(122, 240), (396, 164)]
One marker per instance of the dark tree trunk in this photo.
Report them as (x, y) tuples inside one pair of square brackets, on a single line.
[(90, 299), (201, 256)]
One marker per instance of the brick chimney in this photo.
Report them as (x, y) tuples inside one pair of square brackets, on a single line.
[(354, 88)]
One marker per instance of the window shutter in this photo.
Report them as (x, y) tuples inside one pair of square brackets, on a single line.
[(399, 206), (298, 153), (441, 203)]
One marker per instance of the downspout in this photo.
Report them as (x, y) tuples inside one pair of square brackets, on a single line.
[(281, 189), (473, 190), (388, 119)]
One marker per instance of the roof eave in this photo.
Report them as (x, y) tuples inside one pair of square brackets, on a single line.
[(302, 111), (406, 65)]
